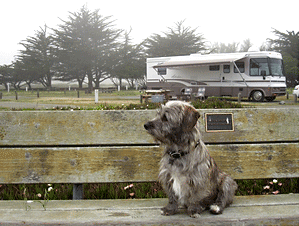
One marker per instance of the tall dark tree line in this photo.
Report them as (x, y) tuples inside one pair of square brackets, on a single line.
[(288, 44), (129, 62)]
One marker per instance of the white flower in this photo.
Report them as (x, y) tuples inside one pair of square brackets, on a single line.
[(274, 181), (50, 189)]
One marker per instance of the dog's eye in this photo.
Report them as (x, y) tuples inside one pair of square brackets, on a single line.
[(164, 118)]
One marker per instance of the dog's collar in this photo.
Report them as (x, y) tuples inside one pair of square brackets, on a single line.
[(177, 155)]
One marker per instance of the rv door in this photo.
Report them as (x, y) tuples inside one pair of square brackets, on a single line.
[(239, 71)]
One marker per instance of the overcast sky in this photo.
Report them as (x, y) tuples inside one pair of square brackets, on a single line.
[(224, 21)]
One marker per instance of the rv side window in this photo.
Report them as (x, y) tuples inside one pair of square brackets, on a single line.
[(259, 65), (214, 67), (226, 68), (241, 67), (162, 71)]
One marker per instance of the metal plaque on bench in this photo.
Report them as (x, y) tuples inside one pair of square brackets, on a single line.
[(218, 122)]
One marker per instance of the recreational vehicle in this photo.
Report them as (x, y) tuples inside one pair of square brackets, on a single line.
[(257, 76)]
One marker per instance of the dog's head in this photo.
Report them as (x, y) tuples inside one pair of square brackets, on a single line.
[(174, 119)]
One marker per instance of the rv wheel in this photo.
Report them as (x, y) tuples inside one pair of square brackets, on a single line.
[(257, 96)]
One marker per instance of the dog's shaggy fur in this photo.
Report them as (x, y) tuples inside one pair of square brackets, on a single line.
[(188, 174)]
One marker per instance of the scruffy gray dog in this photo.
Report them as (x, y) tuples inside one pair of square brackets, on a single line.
[(188, 174)]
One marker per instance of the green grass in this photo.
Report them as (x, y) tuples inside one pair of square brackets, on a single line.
[(136, 190), (91, 191)]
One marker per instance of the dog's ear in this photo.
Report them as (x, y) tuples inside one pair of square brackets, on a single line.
[(190, 118)]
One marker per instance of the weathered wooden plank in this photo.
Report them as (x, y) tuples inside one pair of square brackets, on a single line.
[(78, 165), (76, 127), (126, 127), (245, 210), (124, 164), (257, 124), (253, 161)]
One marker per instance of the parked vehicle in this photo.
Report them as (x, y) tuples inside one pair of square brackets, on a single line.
[(296, 91), (254, 75)]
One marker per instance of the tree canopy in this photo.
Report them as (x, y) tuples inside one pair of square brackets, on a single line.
[(35, 62), (178, 40), (84, 44)]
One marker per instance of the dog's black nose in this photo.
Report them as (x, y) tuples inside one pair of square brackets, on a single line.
[(148, 125), (176, 155)]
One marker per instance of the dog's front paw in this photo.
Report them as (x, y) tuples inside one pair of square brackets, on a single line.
[(169, 210), (195, 211), (195, 215)]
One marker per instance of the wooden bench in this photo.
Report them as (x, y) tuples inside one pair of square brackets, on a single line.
[(149, 94), (112, 146)]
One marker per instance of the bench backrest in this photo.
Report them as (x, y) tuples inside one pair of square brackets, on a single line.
[(112, 146)]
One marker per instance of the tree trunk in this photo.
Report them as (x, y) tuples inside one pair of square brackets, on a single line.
[(89, 76), (120, 82), (80, 82)]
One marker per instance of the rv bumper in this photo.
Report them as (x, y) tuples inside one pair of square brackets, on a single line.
[(278, 91)]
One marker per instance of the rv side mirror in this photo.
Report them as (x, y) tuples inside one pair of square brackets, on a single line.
[(263, 73)]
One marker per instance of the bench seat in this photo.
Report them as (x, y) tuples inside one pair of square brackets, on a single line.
[(246, 210)]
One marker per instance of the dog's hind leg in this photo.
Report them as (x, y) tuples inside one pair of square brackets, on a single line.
[(226, 192)]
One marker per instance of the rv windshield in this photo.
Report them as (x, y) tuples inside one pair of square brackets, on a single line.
[(266, 66), (276, 67)]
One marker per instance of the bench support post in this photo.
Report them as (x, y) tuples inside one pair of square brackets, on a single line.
[(77, 191)]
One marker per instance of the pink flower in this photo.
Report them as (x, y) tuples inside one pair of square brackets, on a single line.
[(267, 187), (39, 195), (279, 184), (275, 192), (132, 194)]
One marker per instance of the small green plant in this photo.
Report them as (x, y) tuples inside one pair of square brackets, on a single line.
[(27, 206), (46, 196)]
